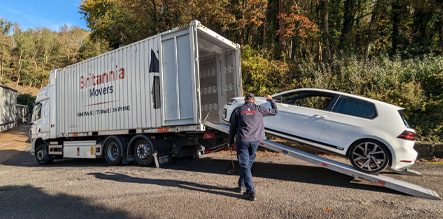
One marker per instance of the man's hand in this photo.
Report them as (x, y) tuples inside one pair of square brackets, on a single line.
[(268, 97), (230, 146)]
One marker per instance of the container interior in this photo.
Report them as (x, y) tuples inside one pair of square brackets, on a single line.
[(218, 81)]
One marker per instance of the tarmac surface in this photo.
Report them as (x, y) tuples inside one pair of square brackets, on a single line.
[(201, 188)]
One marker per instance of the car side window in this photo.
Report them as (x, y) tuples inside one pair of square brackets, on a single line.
[(289, 98), (355, 107), (315, 101)]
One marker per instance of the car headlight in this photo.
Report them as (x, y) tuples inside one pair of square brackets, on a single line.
[(231, 102)]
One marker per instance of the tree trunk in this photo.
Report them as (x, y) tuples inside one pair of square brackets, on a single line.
[(395, 25), (371, 27), (1, 69), (441, 19), (326, 19), (19, 67), (348, 20), (281, 24), (264, 35)]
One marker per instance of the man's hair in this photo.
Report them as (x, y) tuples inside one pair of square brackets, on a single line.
[(250, 96)]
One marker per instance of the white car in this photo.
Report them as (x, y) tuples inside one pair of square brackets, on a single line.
[(373, 134)]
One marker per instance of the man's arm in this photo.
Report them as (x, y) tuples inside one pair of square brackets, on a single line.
[(233, 127), (266, 111)]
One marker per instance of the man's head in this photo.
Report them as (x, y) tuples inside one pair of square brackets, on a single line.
[(250, 97)]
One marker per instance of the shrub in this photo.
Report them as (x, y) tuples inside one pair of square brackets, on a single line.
[(414, 84)]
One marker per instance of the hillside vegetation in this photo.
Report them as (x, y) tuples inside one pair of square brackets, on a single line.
[(386, 50)]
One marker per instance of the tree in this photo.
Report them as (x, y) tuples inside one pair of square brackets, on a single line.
[(295, 27), (5, 44), (70, 40)]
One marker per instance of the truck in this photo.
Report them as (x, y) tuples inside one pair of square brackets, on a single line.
[(140, 102)]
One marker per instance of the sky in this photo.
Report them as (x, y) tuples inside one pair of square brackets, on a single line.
[(52, 14)]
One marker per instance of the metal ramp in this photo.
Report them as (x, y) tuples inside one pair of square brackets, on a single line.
[(391, 183)]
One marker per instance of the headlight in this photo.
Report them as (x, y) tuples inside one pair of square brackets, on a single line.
[(231, 101)]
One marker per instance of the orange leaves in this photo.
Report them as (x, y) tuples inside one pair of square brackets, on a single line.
[(254, 12), (296, 24)]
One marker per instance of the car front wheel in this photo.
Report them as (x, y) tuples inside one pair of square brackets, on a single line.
[(369, 156)]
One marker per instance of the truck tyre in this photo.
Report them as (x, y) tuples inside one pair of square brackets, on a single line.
[(42, 156), (113, 152), (143, 150)]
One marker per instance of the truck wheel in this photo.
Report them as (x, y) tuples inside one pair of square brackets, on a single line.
[(42, 156), (113, 153), (143, 151)]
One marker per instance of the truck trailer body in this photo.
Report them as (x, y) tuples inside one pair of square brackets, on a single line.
[(148, 97)]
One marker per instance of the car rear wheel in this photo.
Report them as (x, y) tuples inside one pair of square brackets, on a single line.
[(369, 156)]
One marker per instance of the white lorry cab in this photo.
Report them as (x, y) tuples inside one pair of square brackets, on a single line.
[(147, 99)]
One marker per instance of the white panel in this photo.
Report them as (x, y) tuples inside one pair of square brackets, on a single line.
[(170, 80), (185, 75), (79, 149)]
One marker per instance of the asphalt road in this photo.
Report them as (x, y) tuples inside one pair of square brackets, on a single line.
[(286, 188)]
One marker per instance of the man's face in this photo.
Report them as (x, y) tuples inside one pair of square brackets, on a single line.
[(253, 100)]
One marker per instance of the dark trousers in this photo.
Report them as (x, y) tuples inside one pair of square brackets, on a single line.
[(246, 154)]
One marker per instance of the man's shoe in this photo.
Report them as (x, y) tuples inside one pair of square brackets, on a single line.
[(250, 196), (241, 189)]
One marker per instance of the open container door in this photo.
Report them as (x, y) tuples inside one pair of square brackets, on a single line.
[(219, 72), (178, 79)]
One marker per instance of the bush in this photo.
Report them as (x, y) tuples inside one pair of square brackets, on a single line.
[(414, 84)]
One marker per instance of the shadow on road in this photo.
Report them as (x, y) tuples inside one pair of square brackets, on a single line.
[(169, 183), (282, 172), (32, 202), (26, 159)]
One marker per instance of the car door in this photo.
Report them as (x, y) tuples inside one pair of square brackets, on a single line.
[(301, 114), (348, 121)]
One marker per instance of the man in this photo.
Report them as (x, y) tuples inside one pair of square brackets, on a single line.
[(247, 125)]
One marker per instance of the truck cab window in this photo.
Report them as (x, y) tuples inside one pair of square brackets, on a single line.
[(37, 112)]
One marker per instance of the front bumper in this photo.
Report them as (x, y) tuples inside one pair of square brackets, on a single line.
[(32, 148)]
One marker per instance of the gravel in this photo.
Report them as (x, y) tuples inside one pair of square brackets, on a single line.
[(286, 188)]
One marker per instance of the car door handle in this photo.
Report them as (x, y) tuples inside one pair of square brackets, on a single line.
[(320, 116)]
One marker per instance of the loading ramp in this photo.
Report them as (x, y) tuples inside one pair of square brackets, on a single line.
[(388, 182)]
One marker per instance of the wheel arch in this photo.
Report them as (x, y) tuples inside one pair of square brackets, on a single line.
[(122, 142), (39, 141), (131, 144), (385, 144)]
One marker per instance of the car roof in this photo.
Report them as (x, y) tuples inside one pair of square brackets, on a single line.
[(338, 93)]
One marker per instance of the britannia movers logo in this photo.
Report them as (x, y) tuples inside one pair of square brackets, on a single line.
[(94, 80)]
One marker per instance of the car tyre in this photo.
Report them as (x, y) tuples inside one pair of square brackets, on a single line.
[(369, 156), (42, 156)]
